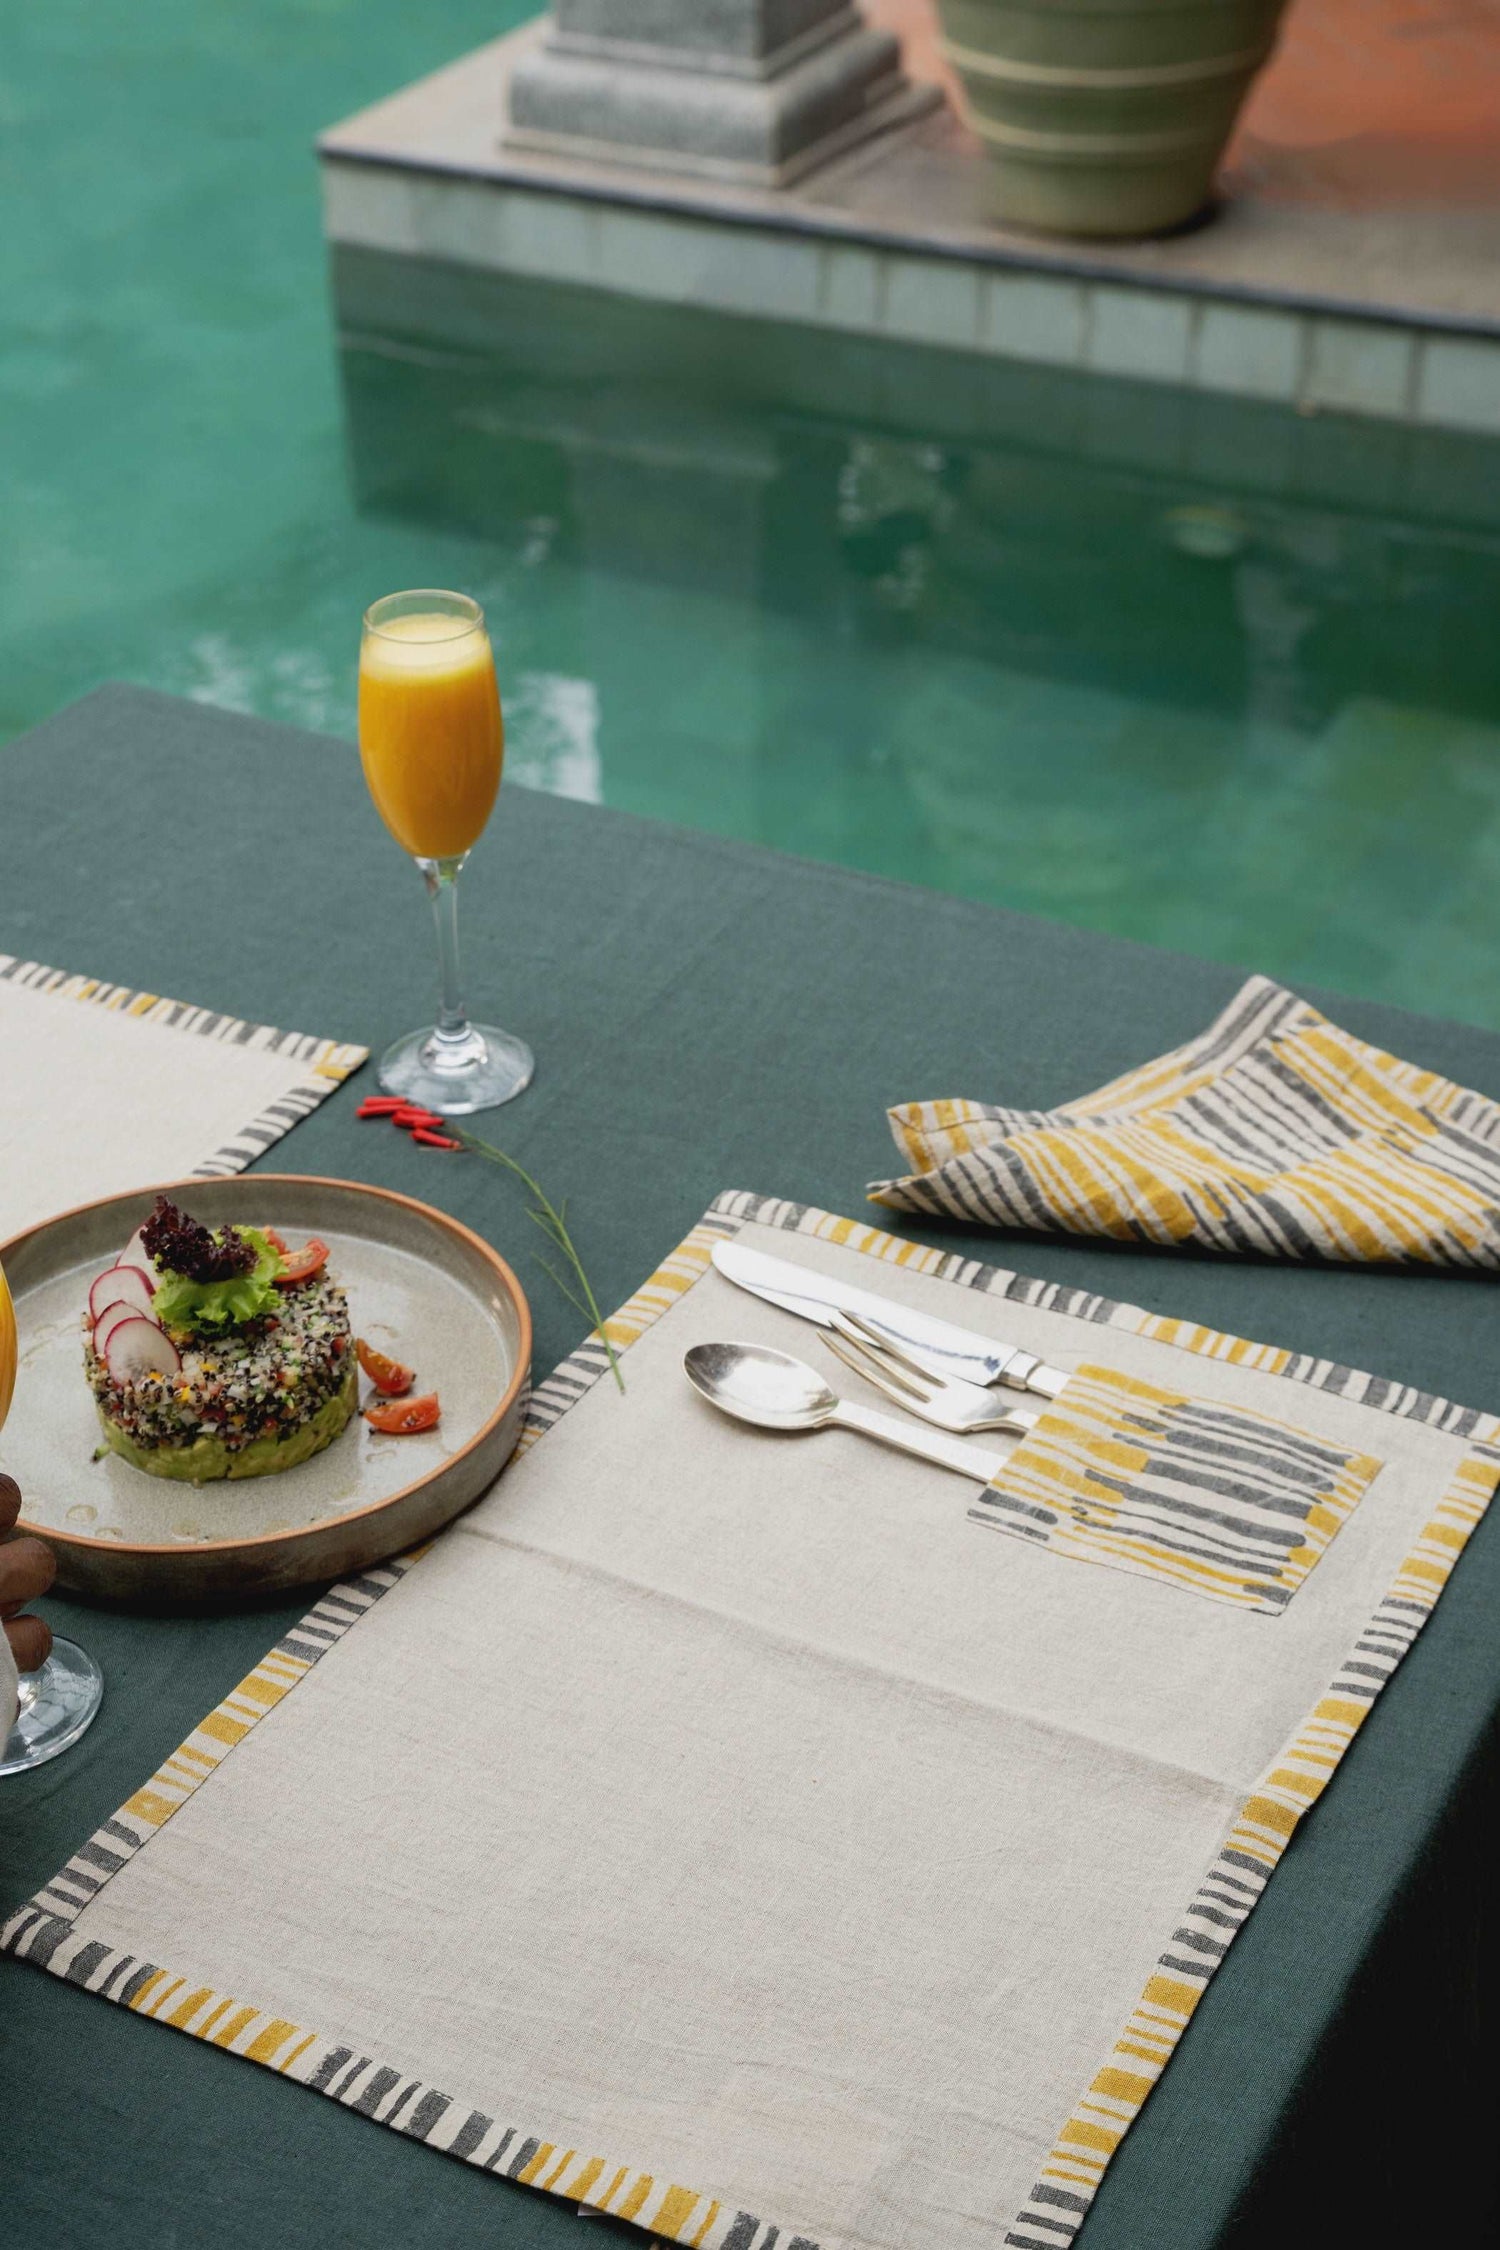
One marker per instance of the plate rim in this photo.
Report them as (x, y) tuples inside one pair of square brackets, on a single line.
[(520, 1377)]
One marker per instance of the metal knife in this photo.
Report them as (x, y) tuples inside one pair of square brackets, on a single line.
[(936, 1345)]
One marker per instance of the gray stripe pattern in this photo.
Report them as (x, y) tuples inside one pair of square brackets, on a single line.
[(1274, 1134), (1214, 1485)]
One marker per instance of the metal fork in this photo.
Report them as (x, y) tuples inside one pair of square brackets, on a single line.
[(952, 1405)]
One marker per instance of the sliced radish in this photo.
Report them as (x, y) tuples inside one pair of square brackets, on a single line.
[(137, 1347), (108, 1321), (122, 1285)]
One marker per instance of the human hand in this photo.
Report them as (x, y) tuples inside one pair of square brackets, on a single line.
[(27, 1568)]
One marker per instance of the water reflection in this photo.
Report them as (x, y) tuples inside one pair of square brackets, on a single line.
[(1188, 669), (554, 731)]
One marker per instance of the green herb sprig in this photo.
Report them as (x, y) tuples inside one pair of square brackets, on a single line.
[(552, 1219)]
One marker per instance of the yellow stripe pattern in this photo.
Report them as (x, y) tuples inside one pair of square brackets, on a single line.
[(1258, 1836), (677, 2214), (212, 1739), (1275, 1132), (672, 1279), (1219, 1500)]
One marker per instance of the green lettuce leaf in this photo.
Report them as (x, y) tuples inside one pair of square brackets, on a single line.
[(180, 1303)]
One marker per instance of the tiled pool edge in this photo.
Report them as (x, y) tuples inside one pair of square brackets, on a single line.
[(1429, 375)]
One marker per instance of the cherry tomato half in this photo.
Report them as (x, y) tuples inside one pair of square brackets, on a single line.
[(301, 1265), (388, 1375), (403, 1417)]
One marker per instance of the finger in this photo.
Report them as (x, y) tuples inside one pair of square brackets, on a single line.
[(10, 1502), (30, 1642), (27, 1568)]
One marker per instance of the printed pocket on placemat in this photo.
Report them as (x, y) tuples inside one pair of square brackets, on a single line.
[(1218, 1499)]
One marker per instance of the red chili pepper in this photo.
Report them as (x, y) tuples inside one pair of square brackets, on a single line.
[(434, 1140), (379, 1105), (410, 1115)]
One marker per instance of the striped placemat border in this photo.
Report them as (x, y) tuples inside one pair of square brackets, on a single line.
[(326, 1062)]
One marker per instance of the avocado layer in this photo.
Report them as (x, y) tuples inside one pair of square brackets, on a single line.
[(208, 1460)]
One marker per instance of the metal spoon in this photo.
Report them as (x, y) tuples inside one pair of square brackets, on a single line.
[(777, 1392)]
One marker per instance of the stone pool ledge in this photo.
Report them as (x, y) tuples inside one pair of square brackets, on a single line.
[(1393, 314)]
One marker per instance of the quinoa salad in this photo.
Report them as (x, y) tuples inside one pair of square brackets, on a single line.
[(266, 1378), (220, 1353)]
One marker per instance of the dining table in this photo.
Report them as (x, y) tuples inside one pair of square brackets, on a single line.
[(707, 1014)]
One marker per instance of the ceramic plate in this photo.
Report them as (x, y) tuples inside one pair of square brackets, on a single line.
[(420, 1287)]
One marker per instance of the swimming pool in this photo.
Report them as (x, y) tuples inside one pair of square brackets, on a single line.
[(1196, 671), (1192, 670)]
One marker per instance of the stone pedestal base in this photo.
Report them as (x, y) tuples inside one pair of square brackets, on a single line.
[(759, 118)]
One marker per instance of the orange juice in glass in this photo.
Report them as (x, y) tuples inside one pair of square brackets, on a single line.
[(432, 743), (7, 1349), (57, 1702)]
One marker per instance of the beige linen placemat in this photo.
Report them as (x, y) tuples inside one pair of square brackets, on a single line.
[(722, 1831), (105, 1087)]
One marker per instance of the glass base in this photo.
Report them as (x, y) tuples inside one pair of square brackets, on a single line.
[(58, 1704), (480, 1070)]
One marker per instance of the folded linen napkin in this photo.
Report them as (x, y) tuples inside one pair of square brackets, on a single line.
[(1273, 1132)]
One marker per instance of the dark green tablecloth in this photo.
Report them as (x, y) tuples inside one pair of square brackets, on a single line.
[(707, 1016)]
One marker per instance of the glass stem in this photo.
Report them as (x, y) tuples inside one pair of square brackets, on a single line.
[(441, 877)]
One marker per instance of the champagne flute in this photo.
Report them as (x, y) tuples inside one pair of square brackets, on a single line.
[(58, 1702), (432, 744)]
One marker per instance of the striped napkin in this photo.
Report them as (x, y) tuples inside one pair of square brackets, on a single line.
[(1273, 1132)]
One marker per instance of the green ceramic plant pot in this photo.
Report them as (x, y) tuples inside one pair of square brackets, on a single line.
[(1105, 117)]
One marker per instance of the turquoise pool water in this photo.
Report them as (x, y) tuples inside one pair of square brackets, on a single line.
[(1195, 672)]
